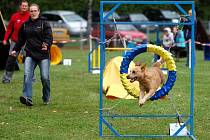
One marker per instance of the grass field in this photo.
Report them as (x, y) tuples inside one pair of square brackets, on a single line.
[(74, 110)]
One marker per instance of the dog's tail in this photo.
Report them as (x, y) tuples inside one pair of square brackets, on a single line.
[(158, 63)]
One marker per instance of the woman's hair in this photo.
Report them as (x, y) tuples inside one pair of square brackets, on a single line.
[(34, 4)]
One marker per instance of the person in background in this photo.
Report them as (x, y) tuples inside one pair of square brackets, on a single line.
[(16, 21), (36, 34), (179, 42), (187, 34), (168, 38)]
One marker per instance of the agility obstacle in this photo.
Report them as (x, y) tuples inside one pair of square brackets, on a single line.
[(103, 117), (56, 55), (94, 57), (130, 55)]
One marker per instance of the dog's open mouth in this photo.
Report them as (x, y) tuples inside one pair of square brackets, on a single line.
[(133, 79)]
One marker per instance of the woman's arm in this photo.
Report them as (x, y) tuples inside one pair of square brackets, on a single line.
[(47, 34)]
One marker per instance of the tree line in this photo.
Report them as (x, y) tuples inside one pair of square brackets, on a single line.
[(81, 7)]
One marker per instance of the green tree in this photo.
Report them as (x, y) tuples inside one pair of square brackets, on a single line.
[(7, 7)]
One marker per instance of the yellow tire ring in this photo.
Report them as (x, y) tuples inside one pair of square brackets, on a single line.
[(130, 55)]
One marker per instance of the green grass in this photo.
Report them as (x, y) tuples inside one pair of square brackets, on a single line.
[(74, 110)]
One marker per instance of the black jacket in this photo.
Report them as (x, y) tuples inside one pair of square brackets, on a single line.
[(32, 34)]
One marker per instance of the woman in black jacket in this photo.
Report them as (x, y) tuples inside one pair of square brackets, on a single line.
[(36, 34)]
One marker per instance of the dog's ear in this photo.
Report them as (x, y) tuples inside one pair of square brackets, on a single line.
[(143, 67), (138, 64)]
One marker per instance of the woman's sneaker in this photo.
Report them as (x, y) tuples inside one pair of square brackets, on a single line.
[(26, 101)]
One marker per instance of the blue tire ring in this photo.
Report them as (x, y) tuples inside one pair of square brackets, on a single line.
[(130, 55)]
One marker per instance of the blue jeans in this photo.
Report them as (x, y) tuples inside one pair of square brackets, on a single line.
[(29, 67)]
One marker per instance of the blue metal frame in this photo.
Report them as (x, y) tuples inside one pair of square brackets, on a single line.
[(103, 20)]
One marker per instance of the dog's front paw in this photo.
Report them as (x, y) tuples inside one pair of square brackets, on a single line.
[(141, 102)]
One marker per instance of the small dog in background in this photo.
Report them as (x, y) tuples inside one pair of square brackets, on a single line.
[(150, 79)]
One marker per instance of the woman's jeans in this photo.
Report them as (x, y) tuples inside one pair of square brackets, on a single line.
[(29, 67)]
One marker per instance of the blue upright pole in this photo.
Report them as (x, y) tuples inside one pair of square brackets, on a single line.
[(192, 70), (102, 61)]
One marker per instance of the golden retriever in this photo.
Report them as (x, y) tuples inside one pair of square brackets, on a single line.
[(150, 79)]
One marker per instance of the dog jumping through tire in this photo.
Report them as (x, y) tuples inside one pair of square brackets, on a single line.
[(150, 79)]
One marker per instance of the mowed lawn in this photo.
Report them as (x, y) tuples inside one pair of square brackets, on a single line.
[(74, 109)]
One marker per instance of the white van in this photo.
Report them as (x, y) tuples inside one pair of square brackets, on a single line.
[(73, 22)]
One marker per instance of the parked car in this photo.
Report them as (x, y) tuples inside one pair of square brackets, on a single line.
[(173, 15), (113, 15), (139, 17), (96, 15), (60, 36), (75, 23), (161, 15), (127, 31)]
